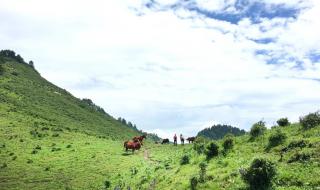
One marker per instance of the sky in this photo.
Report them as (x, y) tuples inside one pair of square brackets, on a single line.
[(175, 66)]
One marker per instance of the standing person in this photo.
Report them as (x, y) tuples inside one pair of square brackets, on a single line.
[(181, 139), (175, 139)]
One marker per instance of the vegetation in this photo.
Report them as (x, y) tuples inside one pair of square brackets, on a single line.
[(227, 144), (52, 140), (283, 122), (260, 174), (276, 138), (219, 131), (212, 150), (310, 121), (185, 160), (257, 129)]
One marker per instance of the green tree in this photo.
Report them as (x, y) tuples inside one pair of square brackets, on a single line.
[(258, 129)]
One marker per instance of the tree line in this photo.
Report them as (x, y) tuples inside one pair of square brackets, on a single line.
[(219, 131), (9, 54)]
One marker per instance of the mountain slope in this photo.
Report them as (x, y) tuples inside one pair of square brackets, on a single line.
[(29, 99)]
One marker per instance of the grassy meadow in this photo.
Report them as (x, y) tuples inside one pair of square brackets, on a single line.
[(52, 140)]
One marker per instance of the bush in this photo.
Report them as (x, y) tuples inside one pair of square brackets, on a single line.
[(199, 145), (259, 175), (107, 184), (297, 144), (283, 122), (202, 172), (257, 129), (299, 157), (212, 150), (310, 121), (276, 139), (227, 143), (193, 183), (184, 160)]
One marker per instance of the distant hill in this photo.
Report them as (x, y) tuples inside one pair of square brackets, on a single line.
[(219, 131), (27, 99)]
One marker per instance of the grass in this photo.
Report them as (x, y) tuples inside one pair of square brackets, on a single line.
[(51, 140)]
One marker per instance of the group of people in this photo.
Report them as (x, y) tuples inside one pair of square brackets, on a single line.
[(175, 139)]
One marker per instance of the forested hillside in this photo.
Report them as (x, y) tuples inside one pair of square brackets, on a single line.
[(219, 131)]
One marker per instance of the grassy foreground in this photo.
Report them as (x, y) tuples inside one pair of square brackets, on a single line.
[(78, 161)]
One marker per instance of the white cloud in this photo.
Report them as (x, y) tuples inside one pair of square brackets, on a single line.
[(167, 74)]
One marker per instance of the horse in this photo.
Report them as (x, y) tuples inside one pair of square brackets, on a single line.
[(191, 139), (139, 139), (165, 141), (132, 145)]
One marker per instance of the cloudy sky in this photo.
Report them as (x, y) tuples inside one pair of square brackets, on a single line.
[(175, 65)]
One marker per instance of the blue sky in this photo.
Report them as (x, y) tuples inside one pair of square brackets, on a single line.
[(175, 66)]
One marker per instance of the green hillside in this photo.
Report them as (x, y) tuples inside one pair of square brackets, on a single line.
[(52, 140), (28, 99)]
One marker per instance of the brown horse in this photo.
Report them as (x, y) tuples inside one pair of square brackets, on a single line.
[(191, 139), (139, 139), (132, 145)]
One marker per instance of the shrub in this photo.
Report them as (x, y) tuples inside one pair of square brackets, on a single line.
[(227, 143), (184, 160), (212, 150), (259, 175), (257, 129), (202, 172), (193, 182), (297, 144), (310, 121), (199, 145), (283, 122), (276, 139), (107, 184), (299, 157)]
